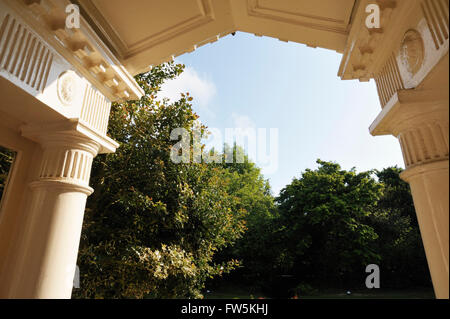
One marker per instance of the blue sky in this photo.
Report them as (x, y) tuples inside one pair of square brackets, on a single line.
[(259, 82)]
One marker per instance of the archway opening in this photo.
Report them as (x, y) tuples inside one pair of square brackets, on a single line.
[(323, 116)]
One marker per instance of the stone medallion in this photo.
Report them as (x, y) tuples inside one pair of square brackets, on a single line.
[(412, 51), (67, 83)]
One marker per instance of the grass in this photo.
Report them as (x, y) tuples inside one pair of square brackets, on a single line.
[(377, 294), (233, 292), (236, 292)]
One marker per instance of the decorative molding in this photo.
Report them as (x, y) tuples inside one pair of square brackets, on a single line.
[(255, 9), (419, 119), (61, 185), (95, 110), (412, 51), (68, 151), (411, 40), (23, 55), (66, 87), (436, 15), (194, 47), (421, 171), (205, 15), (66, 165), (80, 47), (388, 81), (70, 132), (425, 144), (366, 48)]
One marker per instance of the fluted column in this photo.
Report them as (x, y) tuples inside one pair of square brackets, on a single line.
[(419, 119), (46, 257), (425, 149)]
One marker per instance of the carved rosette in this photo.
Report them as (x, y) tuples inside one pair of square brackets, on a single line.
[(67, 86), (412, 51)]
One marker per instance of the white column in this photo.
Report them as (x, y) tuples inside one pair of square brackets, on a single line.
[(429, 187), (425, 148), (47, 254), (420, 121)]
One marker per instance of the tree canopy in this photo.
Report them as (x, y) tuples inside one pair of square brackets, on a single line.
[(6, 161), (323, 216), (153, 226), (158, 229)]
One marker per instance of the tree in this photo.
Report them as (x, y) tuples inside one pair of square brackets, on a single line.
[(322, 218), (152, 227), (6, 160), (255, 250), (403, 260)]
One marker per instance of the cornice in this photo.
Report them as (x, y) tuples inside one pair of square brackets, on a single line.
[(368, 49), (81, 47)]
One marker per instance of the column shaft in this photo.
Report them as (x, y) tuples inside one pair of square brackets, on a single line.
[(46, 256), (419, 120), (430, 188)]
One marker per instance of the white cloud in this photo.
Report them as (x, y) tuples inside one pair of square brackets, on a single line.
[(200, 87), (242, 121)]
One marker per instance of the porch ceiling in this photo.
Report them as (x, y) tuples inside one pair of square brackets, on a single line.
[(147, 32)]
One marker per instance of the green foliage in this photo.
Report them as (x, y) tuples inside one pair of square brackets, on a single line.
[(322, 220), (152, 227), (156, 229), (328, 225), (400, 245), (6, 160), (254, 250)]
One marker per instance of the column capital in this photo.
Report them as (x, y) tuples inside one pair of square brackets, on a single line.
[(71, 132), (419, 119), (409, 108), (69, 148)]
